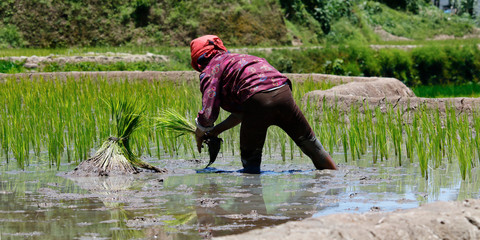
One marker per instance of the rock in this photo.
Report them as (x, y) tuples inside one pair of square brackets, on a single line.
[(30, 65), (34, 59)]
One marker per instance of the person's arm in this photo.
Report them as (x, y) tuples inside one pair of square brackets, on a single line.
[(210, 88), (231, 121)]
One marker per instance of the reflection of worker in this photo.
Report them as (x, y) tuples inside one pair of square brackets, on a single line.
[(257, 95)]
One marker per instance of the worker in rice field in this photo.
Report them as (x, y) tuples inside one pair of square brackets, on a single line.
[(257, 96)]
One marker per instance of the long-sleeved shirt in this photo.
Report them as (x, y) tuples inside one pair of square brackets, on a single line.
[(230, 79)]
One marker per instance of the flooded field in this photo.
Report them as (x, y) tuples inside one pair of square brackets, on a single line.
[(193, 203), (388, 160)]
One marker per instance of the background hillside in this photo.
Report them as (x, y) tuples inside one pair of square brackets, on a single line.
[(67, 23)]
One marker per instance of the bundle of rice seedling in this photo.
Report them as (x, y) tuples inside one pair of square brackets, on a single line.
[(172, 121), (116, 156)]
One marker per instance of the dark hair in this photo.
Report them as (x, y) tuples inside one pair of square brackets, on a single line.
[(203, 61)]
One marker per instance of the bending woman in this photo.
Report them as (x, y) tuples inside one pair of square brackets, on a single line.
[(257, 95)]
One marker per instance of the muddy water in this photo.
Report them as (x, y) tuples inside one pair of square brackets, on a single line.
[(189, 203)]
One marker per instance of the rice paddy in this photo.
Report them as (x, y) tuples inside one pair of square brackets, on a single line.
[(67, 120)]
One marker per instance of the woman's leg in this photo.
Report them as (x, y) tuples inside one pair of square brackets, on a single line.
[(294, 123), (253, 131), (252, 139)]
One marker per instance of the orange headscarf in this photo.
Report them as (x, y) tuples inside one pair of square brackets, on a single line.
[(208, 45)]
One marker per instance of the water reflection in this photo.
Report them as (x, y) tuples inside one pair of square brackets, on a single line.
[(230, 203)]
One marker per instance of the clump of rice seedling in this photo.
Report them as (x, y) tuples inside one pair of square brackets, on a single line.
[(116, 156)]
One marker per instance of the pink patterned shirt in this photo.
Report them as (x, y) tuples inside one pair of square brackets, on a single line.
[(230, 79)]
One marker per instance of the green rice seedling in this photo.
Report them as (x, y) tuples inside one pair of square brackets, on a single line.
[(399, 134), (175, 123), (355, 133), (283, 146), (381, 133), (411, 131), (476, 125), (450, 124), (463, 162), (423, 147), (345, 143), (463, 147), (5, 137), (438, 138)]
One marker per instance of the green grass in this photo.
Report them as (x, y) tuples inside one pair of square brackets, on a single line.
[(420, 26), (448, 91), (11, 67), (80, 51)]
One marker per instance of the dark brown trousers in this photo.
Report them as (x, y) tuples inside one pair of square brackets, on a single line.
[(260, 112)]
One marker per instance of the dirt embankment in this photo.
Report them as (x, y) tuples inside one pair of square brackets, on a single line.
[(384, 92), (440, 220), (35, 61), (180, 75)]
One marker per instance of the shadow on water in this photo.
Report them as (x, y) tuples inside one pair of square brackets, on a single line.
[(215, 170)]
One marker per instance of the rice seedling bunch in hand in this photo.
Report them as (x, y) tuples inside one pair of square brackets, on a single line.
[(116, 156), (174, 122)]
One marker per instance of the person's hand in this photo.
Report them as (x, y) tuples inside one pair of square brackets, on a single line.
[(212, 133), (199, 137)]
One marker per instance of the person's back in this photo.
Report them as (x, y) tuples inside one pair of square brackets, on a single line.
[(230, 79)]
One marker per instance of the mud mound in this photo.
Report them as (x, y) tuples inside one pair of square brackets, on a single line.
[(440, 220), (382, 87), (383, 92)]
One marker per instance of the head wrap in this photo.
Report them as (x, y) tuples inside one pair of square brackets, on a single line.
[(207, 45)]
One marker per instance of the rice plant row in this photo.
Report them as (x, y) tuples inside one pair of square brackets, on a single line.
[(66, 120)]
